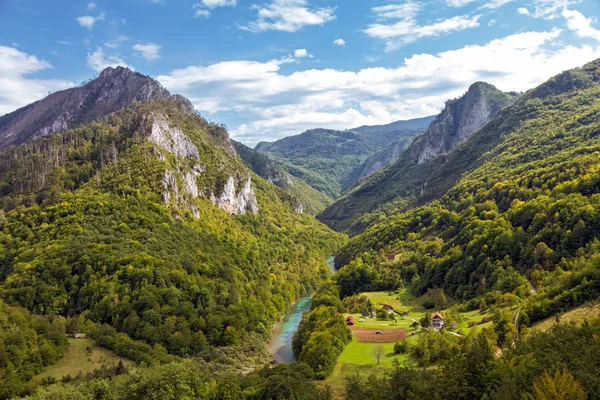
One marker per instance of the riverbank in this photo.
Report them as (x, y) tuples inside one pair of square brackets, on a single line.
[(283, 332)]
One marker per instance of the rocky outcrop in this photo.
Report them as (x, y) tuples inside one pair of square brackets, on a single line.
[(114, 89), (459, 119), (171, 138), (244, 201)]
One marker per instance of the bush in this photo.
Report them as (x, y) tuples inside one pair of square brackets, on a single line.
[(400, 348)]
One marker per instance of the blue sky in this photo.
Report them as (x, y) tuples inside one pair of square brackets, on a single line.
[(273, 68)]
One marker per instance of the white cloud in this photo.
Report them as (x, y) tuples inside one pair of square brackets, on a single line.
[(219, 3), (64, 43), (492, 22), (150, 51), (340, 42), (458, 3), (201, 9), (550, 9), (274, 104), (88, 21), (99, 61), (91, 6), (494, 4), (523, 11), (18, 89), (201, 12), (288, 16), (301, 53), (407, 30), (581, 25)]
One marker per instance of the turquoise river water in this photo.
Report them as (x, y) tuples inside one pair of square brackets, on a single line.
[(283, 332)]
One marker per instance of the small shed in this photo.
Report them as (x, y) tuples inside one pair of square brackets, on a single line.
[(388, 308)]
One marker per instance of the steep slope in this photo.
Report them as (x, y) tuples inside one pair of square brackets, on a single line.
[(148, 224), (114, 89), (309, 199), (413, 177), (326, 159), (527, 209)]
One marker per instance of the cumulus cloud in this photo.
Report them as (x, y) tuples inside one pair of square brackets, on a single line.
[(88, 21), (275, 104), (288, 16), (150, 51), (523, 11), (91, 6), (99, 61), (581, 25), (340, 42), (18, 88), (302, 53), (397, 24)]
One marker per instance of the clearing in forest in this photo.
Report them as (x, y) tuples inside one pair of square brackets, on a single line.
[(82, 356)]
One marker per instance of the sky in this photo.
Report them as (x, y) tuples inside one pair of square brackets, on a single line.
[(273, 68)]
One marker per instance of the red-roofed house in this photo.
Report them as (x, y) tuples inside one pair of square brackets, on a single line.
[(437, 321)]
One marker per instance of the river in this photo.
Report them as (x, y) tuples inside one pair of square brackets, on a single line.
[(283, 332)]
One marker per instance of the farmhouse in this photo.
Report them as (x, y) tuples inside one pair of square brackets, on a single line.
[(437, 321), (388, 308)]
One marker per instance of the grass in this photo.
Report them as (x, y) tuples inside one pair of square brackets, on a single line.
[(576, 315), (358, 358), (77, 359)]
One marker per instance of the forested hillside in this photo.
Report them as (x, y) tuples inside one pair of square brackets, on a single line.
[(526, 212), (331, 161), (310, 199), (148, 225), (420, 173)]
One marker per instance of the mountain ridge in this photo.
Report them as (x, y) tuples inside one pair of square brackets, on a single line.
[(409, 179), (112, 90)]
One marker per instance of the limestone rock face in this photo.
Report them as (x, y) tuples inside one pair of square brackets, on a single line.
[(244, 201), (459, 119), (171, 138)]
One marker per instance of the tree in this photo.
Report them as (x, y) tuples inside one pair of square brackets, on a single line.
[(561, 386), (378, 352), (426, 320)]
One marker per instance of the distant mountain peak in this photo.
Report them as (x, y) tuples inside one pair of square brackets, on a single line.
[(459, 119), (114, 89)]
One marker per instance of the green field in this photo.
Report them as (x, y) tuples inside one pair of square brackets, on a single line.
[(576, 315), (358, 358), (78, 359)]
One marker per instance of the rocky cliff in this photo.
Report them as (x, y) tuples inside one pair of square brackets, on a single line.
[(459, 119), (412, 178), (114, 89)]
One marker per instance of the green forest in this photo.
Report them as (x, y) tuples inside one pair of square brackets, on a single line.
[(85, 234)]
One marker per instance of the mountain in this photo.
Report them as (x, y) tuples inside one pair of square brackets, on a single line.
[(522, 216), (327, 159), (309, 199), (413, 177), (146, 229), (114, 89), (403, 125)]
